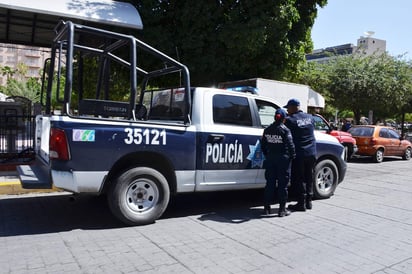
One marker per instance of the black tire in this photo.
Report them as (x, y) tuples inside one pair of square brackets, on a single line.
[(349, 152), (378, 157), (139, 196), (326, 179), (407, 155)]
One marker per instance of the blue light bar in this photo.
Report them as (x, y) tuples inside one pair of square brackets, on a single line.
[(249, 89)]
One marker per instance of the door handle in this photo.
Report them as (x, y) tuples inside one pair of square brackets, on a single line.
[(215, 138)]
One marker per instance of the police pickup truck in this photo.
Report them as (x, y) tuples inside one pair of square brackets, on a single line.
[(140, 146)]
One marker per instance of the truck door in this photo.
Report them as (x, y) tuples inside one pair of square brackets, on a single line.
[(226, 142)]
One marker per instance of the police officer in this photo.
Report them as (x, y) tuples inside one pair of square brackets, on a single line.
[(279, 150), (302, 127)]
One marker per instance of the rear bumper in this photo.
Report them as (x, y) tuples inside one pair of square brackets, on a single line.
[(35, 176), (40, 176), (366, 151)]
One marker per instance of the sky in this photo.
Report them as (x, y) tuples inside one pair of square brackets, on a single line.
[(345, 21)]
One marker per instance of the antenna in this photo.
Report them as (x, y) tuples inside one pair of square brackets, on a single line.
[(369, 33)]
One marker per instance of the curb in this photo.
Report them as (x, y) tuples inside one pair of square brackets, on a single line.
[(11, 185)]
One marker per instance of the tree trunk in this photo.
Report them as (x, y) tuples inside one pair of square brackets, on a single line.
[(403, 124)]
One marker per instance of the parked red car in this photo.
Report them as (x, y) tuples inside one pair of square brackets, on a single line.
[(343, 137), (380, 141)]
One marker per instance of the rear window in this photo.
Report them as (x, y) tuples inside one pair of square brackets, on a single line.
[(361, 131), (231, 110)]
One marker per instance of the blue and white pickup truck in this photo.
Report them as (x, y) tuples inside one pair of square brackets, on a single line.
[(150, 143)]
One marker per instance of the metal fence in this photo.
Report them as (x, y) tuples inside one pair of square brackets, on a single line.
[(16, 137)]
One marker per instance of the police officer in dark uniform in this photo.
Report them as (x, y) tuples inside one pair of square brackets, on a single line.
[(279, 150), (302, 127)]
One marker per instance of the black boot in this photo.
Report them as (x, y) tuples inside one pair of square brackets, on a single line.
[(299, 206), (308, 202), (283, 211)]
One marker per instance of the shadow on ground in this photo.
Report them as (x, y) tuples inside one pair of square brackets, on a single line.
[(57, 212)]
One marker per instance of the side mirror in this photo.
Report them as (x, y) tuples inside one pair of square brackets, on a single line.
[(329, 129)]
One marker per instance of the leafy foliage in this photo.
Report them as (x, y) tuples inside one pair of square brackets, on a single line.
[(231, 40), (381, 83), (18, 85), (28, 89)]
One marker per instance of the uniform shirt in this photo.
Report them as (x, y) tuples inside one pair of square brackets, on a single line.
[(277, 141), (302, 128)]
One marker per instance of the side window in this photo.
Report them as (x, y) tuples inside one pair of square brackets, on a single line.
[(393, 134), (232, 110), (266, 112), (384, 133)]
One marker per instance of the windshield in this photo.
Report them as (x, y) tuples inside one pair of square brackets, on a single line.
[(319, 123)]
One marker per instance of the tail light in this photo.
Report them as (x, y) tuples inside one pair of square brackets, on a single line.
[(373, 142), (59, 148)]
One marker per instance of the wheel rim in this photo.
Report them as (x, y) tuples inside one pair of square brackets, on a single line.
[(379, 155), (408, 153), (142, 195), (325, 179)]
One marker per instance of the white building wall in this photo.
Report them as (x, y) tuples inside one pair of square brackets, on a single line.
[(371, 45)]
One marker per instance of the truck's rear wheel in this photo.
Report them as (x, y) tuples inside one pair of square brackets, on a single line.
[(139, 196), (378, 157)]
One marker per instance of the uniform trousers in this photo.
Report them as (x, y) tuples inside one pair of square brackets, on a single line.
[(302, 176), (277, 176)]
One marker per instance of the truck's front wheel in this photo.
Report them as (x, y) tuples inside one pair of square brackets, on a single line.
[(326, 179), (139, 196)]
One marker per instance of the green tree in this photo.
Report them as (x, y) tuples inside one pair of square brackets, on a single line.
[(28, 89), (8, 72), (231, 40), (19, 85), (381, 83), (316, 75)]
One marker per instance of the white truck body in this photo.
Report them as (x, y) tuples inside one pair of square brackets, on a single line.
[(282, 91)]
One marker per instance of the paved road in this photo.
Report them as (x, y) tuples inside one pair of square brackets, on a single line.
[(366, 227)]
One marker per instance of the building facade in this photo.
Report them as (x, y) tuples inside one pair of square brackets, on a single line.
[(367, 45), (11, 55)]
